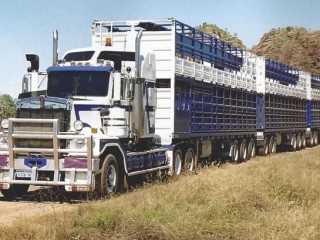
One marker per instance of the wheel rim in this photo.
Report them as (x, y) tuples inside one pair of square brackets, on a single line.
[(311, 140), (294, 142), (189, 160), (315, 138), (111, 178), (273, 145), (266, 146), (303, 141), (235, 151), (177, 162), (245, 153), (244, 150), (236, 154), (299, 141), (253, 150)]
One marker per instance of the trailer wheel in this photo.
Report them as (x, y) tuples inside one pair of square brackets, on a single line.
[(235, 152), (177, 162), (243, 150), (189, 160), (272, 145), (251, 149), (109, 176), (310, 140), (14, 191), (265, 146), (315, 138), (299, 142), (293, 143), (303, 140)]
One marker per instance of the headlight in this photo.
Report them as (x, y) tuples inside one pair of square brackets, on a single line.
[(80, 143), (78, 125), (5, 123)]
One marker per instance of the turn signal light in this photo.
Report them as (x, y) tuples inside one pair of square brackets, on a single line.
[(108, 42)]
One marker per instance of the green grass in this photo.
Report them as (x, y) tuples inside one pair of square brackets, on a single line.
[(274, 197)]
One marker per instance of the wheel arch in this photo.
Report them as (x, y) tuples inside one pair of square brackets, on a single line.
[(116, 150)]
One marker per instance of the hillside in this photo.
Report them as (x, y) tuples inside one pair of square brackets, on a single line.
[(215, 31), (295, 46)]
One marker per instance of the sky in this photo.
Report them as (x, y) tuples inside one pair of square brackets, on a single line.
[(26, 26)]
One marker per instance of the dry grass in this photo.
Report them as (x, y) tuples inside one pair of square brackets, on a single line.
[(275, 197)]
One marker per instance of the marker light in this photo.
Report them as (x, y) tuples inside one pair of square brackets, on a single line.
[(108, 42), (78, 125)]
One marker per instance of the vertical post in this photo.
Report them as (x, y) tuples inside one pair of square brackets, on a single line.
[(55, 48)]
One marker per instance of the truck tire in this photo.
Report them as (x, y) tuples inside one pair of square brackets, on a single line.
[(299, 142), (294, 143), (109, 176), (177, 162), (243, 151), (251, 149), (235, 152), (310, 141), (189, 160), (303, 141), (14, 191), (266, 146), (272, 145), (315, 138)]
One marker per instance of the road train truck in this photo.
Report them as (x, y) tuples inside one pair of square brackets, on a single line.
[(149, 96)]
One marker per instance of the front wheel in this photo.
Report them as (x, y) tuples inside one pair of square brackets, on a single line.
[(109, 176)]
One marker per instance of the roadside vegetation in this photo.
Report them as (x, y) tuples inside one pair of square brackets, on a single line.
[(274, 197)]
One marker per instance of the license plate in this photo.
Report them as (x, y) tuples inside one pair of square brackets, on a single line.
[(23, 174)]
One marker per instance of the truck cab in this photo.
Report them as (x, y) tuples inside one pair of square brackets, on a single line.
[(78, 131)]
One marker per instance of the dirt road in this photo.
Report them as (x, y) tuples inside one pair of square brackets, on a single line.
[(36, 202)]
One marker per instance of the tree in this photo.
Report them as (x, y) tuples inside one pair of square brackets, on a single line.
[(7, 107)]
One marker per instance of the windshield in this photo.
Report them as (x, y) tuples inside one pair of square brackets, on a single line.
[(78, 83), (79, 56)]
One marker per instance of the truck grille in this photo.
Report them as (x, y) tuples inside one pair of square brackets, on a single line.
[(60, 114), (37, 133)]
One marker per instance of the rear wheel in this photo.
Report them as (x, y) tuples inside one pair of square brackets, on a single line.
[(251, 149), (109, 176), (14, 191), (189, 160), (315, 138), (265, 146), (303, 141), (243, 150), (299, 142), (272, 145), (310, 140), (294, 143), (177, 162), (235, 152)]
